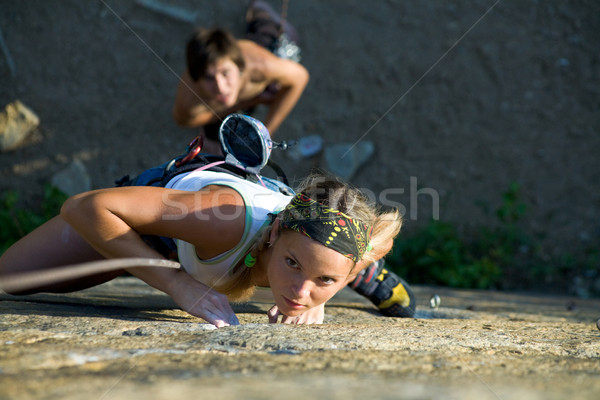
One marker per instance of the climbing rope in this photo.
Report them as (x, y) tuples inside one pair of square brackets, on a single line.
[(34, 279)]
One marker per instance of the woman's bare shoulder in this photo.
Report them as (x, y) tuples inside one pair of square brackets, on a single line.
[(210, 218), (213, 217)]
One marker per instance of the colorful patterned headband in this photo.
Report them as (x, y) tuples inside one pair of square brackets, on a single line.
[(328, 226)]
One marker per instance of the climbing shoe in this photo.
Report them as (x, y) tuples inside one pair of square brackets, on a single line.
[(390, 293)]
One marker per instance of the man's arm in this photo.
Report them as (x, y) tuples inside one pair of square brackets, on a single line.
[(190, 110), (292, 78)]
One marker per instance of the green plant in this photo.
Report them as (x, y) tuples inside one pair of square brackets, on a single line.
[(438, 254), (17, 222), (505, 244)]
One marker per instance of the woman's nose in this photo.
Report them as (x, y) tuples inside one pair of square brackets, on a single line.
[(302, 289)]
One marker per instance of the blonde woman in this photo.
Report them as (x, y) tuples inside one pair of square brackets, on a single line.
[(230, 236)]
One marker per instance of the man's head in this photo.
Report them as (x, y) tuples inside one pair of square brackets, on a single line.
[(215, 61), (207, 46)]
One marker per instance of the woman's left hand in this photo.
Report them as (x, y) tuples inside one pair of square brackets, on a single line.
[(313, 316)]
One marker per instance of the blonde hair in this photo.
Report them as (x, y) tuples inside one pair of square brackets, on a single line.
[(242, 286), (333, 192)]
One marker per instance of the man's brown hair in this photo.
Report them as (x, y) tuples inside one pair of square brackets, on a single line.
[(206, 46)]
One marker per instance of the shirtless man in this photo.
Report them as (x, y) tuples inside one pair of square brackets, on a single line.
[(226, 75)]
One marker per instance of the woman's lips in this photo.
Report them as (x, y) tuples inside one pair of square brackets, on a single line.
[(293, 304)]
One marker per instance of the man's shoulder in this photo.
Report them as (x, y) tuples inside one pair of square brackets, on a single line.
[(251, 49), (245, 43)]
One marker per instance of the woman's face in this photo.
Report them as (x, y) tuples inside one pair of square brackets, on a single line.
[(222, 81), (303, 273)]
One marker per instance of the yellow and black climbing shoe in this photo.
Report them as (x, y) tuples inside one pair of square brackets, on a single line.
[(390, 293)]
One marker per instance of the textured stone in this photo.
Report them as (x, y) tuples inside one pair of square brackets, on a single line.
[(73, 179), (125, 340), (344, 159)]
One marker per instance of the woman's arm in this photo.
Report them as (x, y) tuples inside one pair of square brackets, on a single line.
[(111, 220)]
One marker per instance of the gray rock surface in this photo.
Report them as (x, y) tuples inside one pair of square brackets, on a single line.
[(345, 159), (124, 340), (73, 179)]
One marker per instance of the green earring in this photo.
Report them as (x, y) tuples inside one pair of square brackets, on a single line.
[(249, 261)]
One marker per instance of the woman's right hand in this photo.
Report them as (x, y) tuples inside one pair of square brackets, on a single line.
[(201, 301), (111, 221)]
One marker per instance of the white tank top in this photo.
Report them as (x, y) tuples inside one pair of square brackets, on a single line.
[(259, 201)]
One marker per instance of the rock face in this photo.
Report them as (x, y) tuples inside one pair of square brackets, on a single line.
[(345, 159), (464, 96), (73, 179), (124, 340)]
